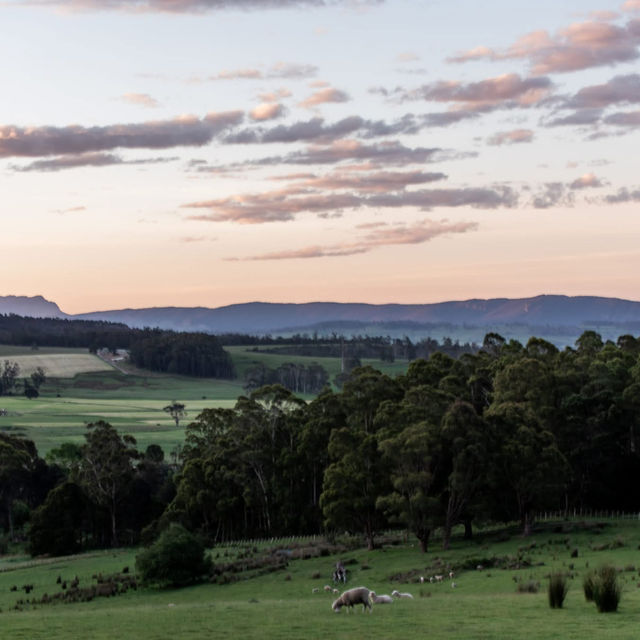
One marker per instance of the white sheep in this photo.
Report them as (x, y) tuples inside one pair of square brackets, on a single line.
[(315, 590), (327, 587), (352, 597), (438, 578), (451, 575), (398, 594), (382, 599), (421, 579), (335, 591)]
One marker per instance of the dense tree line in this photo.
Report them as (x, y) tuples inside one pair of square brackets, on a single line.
[(190, 354), (497, 435), (56, 332), (358, 347), (293, 376)]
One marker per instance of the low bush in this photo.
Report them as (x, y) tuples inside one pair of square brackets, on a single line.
[(557, 590), (528, 586), (606, 590), (175, 559), (588, 583)]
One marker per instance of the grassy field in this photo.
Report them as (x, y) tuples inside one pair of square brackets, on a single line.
[(484, 604), (82, 388)]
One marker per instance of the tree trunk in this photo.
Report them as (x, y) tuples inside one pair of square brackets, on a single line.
[(423, 538), (446, 536), (468, 529)]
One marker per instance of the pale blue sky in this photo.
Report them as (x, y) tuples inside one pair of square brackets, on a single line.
[(392, 151)]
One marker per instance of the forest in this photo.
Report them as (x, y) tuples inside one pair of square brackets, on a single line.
[(497, 435)]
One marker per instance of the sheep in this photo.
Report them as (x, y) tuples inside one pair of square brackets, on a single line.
[(352, 597), (421, 579), (438, 578), (451, 574), (335, 591), (327, 587), (398, 594), (382, 599), (315, 590)]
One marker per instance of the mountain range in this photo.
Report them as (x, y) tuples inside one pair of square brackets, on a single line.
[(557, 318)]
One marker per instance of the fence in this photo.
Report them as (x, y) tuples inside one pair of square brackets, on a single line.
[(566, 514)]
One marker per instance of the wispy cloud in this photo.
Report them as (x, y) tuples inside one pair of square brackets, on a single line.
[(581, 45), (418, 233), (193, 6), (516, 136), (140, 99), (86, 160), (501, 90), (278, 71), (324, 96), (75, 139), (375, 182), (285, 204)]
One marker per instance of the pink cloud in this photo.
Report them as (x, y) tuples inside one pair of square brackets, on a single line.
[(324, 96), (586, 181), (267, 111), (581, 45), (491, 92), (141, 99), (377, 182), (285, 204), (418, 233), (516, 136)]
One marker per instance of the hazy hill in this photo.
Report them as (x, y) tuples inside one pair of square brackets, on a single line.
[(34, 307), (557, 318), (262, 316)]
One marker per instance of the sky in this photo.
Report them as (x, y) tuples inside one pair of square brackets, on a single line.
[(212, 152)]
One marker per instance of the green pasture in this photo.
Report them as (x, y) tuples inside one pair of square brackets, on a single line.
[(483, 605), (82, 388)]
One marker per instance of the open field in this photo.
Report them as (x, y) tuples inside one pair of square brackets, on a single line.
[(484, 604), (59, 365), (82, 388)]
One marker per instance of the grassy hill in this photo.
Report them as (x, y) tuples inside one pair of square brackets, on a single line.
[(485, 603)]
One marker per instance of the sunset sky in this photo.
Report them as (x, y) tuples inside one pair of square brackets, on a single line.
[(209, 152)]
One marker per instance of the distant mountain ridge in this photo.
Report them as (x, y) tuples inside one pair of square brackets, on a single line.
[(32, 306), (551, 311)]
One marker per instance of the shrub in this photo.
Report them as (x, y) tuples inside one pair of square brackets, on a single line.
[(530, 586), (175, 559), (588, 585), (557, 590), (606, 590)]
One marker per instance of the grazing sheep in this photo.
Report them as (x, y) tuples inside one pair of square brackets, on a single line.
[(450, 575), (453, 585), (438, 578), (398, 594), (335, 591), (382, 599), (327, 587), (421, 579), (352, 597), (315, 590)]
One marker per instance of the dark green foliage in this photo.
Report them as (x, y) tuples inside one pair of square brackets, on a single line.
[(191, 354), (56, 526), (606, 590), (176, 559), (557, 590)]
